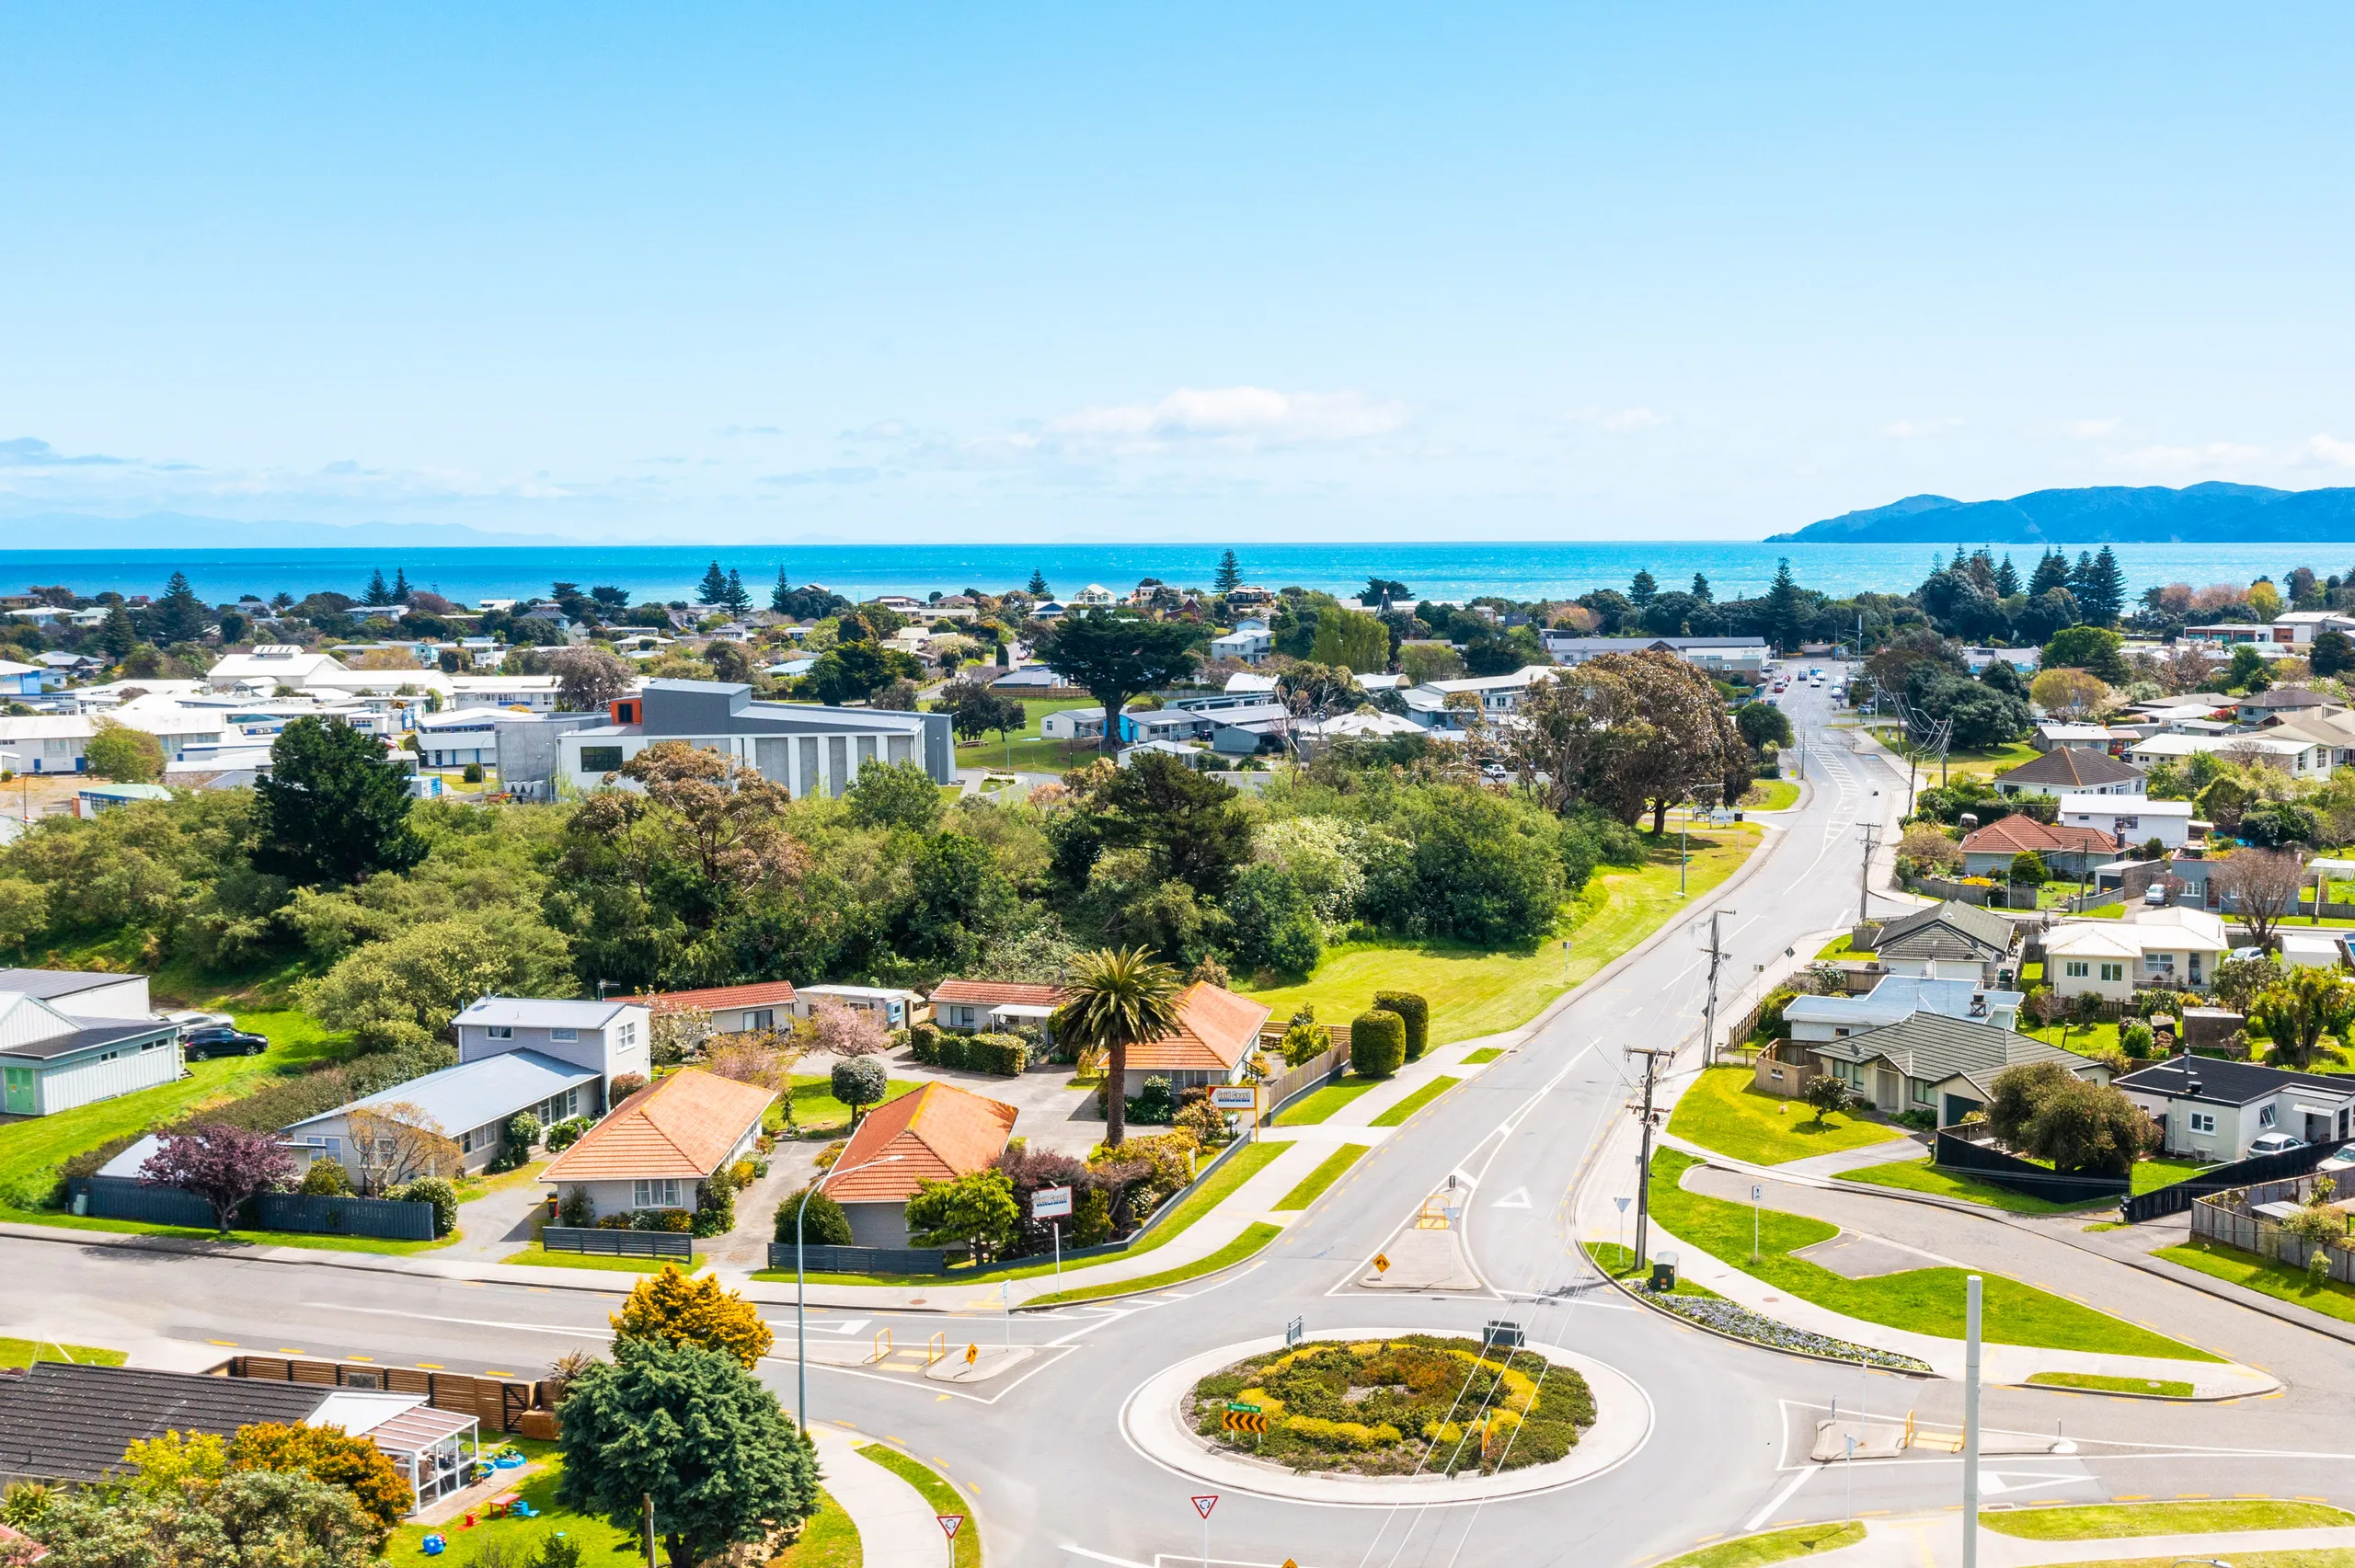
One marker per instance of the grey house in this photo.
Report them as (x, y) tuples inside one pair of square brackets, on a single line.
[(806, 747), (1944, 1066)]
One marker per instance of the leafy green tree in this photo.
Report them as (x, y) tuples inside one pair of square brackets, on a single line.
[(1228, 577), (856, 672), (587, 679), (126, 755), (1275, 925), (2101, 588), (823, 1224), (894, 795), (334, 808), (2333, 654), (1414, 1011), (976, 1210), (379, 591), (245, 1517), (2027, 869), (693, 1431), (2095, 650), (401, 993), (2299, 1008), (1115, 999), (1116, 656), (1826, 1094), (1763, 724), (858, 1083), (2239, 982), (974, 710), (2248, 671), (1352, 639), (1377, 1044), (957, 900), (1785, 608)]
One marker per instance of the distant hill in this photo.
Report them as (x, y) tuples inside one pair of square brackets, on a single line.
[(2112, 514)]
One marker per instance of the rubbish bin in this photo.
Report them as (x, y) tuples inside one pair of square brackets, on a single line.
[(1663, 1271)]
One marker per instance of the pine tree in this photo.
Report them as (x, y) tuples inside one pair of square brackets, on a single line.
[(377, 592), (1782, 607), (400, 586), (2051, 572), (713, 589), (2079, 573), (1700, 587), (782, 594), (1038, 589), (178, 615), (2103, 593), (1643, 589), (2008, 578), (118, 636), (1230, 574), (735, 595)]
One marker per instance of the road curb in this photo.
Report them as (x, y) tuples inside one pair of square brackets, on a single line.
[(1643, 1299), (2241, 1296)]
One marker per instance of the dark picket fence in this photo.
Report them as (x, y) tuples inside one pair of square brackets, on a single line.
[(1956, 1153), (2258, 1168), (617, 1243), (120, 1197)]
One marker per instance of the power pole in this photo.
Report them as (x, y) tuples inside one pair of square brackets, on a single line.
[(1709, 1013), (1864, 876), (1651, 1055)]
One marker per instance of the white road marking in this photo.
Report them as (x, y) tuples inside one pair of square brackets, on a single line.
[(1775, 1503), (1517, 1198), (600, 1333)]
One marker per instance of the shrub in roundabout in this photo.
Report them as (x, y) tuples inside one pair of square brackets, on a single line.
[(1412, 1010), (1377, 1044), (1393, 1406)]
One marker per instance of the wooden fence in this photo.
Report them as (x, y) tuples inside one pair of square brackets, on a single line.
[(1958, 1150), (502, 1404), (2230, 1219), (121, 1197), (600, 1243)]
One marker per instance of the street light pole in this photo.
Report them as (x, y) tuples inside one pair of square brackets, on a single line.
[(801, 1293)]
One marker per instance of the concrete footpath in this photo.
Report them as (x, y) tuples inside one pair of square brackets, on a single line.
[(897, 1528), (1934, 1541)]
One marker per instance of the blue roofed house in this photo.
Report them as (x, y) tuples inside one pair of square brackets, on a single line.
[(470, 1104), (1787, 1067), (29, 679)]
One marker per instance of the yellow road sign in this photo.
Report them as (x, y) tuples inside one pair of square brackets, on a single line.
[(1250, 1421), (973, 1354), (1381, 1264)]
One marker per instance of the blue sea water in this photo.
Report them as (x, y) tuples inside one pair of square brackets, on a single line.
[(1431, 570)]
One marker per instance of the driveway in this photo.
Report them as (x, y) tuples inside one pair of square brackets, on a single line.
[(1053, 1115)]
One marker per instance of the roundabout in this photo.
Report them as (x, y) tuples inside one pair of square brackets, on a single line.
[(1375, 1464)]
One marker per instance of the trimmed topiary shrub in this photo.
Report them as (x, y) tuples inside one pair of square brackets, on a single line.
[(438, 1191), (1377, 1044), (825, 1224), (327, 1178), (1414, 1011)]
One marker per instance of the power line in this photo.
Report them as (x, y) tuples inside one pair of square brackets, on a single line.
[(1651, 1055)]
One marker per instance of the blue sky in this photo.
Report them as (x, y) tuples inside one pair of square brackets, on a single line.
[(1117, 272)]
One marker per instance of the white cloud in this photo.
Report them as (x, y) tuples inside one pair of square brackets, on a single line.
[(2094, 430), (1236, 416), (1908, 430), (1631, 420), (2210, 457), (2329, 449)]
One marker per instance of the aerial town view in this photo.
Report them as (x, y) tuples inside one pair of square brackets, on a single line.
[(800, 787)]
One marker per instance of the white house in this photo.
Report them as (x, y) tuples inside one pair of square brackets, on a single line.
[(1095, 594), (979, 1006), (1896, 999), (611, 1038), (65, 1041), (271, 666), (2300, 758), (808, 748), (2131, 820), (2112, 959), (2210, 1108), (1444, 706), (1249, 642), (896, 1009), (455, 738)]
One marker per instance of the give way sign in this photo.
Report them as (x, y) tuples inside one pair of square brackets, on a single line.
[(1204, 1505)]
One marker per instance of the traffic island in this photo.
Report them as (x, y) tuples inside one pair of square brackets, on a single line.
[(1379, 1417)]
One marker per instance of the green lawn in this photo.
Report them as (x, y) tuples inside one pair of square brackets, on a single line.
[(829, 1540), (31, 1151), (2116, 1521), (1396, 1114), (25, 1352), (2094, 1383), (1773, 1546), (938, 1495), (1311, 1186), (1724, 1111), (235, 1238), (2159, 1171), (2263, 1275), (1474, 992), (1772, 795), (1239, 1169), (1842, 948), (1619, 1262), (1484, 1055), (816, 1112), (1983, 759), (537, 1256), (1921, 1177), (1029, 753), (1319, 1103), (2085, 1040), (1233, 1252), (1924, 1300), (602, 1546)]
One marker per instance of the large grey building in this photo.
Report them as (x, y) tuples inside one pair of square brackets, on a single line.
[(806, 747)]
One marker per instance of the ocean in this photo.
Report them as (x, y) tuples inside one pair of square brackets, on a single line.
[(1441, 571)]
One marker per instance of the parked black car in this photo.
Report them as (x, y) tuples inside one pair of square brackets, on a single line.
[(216, 1042)]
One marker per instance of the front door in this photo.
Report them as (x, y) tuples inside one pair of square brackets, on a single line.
[(1888, 1085), (23, 1090)]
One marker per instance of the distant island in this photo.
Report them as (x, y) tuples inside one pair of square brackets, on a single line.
[(2099, 514)]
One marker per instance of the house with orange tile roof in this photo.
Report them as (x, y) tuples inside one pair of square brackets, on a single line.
[(2067, 849), (936, 1134), (977, 1005), (1212, 1044), (661, 1144), (735, 1010)]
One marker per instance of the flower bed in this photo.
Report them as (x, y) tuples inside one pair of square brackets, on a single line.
[(1729, 1318), (1396, 1406)]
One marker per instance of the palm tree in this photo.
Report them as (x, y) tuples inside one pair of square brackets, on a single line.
[(1116, 998)]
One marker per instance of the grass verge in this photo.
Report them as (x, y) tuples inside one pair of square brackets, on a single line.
[(1396, 1114), (1773, 1546), (829, 1540), (1233, 1252), (1474, 992), (25, 1352), (1924, 1300), (1724, 1110), (1311, 1186), (941, 1497), (1921, 1177), (233, 1239), (1484, 1055), (537, 1256), (1619, 1262), (1318, 1103), (2094, 1383), (2108, 1522), (1771, 794), (2262, 1275)]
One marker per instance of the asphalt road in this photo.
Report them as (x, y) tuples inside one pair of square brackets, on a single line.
[(1041, 1449)]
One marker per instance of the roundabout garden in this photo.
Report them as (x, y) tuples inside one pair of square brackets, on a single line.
[(1397, 1405)]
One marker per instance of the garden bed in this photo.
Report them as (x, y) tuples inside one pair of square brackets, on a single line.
[(1416, 1403), (1738, 1322)]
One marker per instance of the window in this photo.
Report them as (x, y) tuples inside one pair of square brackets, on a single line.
[(499, 1031), (662, 1192), (2202, 1121), (2079, 968), (601, 759), (625, 1036), (759, 1018), (1921, 1092), (2113, 971), (2265, 1115), (564, 1034)]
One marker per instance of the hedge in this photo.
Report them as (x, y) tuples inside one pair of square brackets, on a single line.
[(1377, 1044), (1005, 1055), (1414, 1011)]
